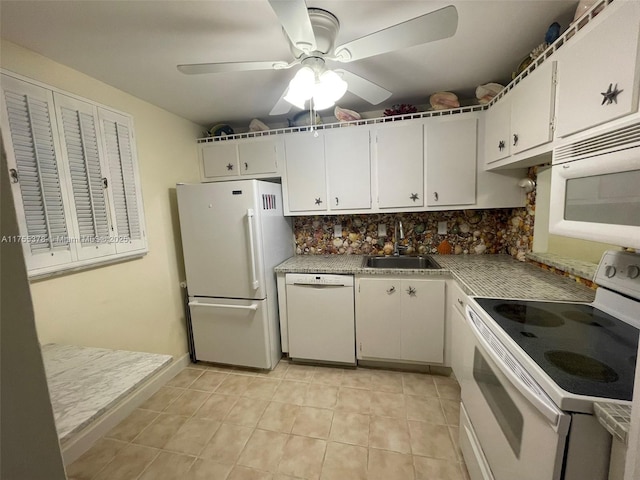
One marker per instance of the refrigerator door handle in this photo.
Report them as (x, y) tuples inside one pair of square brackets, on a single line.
[(253, 306), (255, 284)]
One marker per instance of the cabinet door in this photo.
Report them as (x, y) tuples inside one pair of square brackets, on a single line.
[(497, 128), (600, 56), (458, 301), (219, 159), (422, 320), (450, 149), (532, 109), (399, 157), (306, 181), (378, 318), (348, 168), (258, 156)]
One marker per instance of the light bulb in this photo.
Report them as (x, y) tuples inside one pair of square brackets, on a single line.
[(301, 87), (336, 85)]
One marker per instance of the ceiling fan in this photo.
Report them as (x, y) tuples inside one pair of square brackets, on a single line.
[(311, 33)]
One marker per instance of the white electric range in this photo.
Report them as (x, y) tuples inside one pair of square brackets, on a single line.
[(532, 371)]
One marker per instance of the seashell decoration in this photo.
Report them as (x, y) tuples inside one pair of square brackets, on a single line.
[(508, 231), (257, 126), (444, 100), (445, 248), (344, 115), (486, 92)]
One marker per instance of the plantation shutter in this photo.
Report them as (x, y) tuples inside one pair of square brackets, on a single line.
[(125, 192), (74, 178), (39, 191), (89, 208)]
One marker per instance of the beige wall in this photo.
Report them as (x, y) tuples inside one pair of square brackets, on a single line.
[(137, 304)]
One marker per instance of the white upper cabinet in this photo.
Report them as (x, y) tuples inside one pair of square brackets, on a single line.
[(498, 130), (305, 180), (601, 60), (249, 158), (400, 166), (348, 168), (219, 159), (532, 109), (523, 118), (259, 155), (450, 150)]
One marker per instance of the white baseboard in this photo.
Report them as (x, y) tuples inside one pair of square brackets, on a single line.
[(83, 440)]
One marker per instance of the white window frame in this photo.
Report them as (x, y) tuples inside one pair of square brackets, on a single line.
[(81, 143)]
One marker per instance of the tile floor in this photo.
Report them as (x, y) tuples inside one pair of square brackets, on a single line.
[(296, 422)]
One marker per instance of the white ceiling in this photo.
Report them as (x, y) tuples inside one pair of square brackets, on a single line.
[(136, 45)]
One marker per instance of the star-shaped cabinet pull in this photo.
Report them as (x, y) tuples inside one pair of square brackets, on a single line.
[(501, 145), (411, 291), (230, 167), (414, 197), (318, 201), (611, 95)]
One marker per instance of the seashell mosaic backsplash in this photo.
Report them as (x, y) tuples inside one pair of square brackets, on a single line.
[(475, 232)]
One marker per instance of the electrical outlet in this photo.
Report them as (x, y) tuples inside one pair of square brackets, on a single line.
[(382, 230), (337, 230), (442, 228)]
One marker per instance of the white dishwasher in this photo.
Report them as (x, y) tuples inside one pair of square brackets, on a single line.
[(320, 312)]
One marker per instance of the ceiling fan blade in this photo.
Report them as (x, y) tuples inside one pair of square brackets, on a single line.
[(198, 68), (295, 21), (365, 89), (427, 28), (282, 106)]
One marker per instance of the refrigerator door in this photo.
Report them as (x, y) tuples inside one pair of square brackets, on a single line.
[(221, 239), (233, 332)]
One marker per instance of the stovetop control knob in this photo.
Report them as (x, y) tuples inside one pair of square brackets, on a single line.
[(633, 271), (610, 271)]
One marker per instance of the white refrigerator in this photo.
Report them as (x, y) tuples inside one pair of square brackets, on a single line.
[(233, 235)]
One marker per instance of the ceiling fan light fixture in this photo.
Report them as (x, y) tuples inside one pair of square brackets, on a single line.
[(326, 88)]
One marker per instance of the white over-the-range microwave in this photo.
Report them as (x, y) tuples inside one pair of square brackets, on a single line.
[(595, 187)]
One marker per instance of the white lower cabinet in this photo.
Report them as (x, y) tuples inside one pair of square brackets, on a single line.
[(400, 319)]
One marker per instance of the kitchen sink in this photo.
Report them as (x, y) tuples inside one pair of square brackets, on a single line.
[(420, 262)]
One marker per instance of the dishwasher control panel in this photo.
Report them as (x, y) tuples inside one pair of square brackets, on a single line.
[(319, 279)]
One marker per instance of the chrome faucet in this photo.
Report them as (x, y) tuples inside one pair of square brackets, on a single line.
[(398, 234)]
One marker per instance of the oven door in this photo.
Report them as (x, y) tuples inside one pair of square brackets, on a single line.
[(597, 198), (519, 430)]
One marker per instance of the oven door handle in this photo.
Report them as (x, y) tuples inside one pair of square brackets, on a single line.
[(511, 369)]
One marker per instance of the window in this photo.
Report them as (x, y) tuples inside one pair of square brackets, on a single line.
[(74, 177)]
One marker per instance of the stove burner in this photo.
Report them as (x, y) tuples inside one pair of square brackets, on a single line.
[(586, 318), (529, 315), (581, 366)]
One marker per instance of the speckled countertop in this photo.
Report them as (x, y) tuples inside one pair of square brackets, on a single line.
[(615, 418), (572, 266), (480, 275)]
